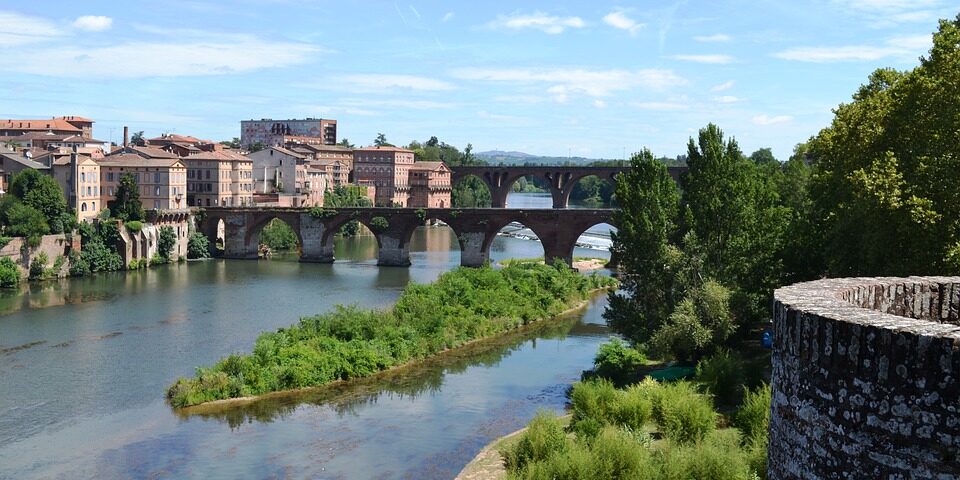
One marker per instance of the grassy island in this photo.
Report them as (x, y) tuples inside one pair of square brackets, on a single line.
[(462, 305)]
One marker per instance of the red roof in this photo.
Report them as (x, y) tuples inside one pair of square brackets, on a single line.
[(382, 149), (33, 125)]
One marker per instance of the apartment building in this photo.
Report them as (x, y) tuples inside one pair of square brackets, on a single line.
[(282, 173), (430, 185), (219, 178), (387, 169), (162, 180), (277, 133), (69, 125)]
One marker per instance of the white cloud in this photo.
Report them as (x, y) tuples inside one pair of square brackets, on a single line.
[(719, 37), (904, 48), (891, 13), (726, 99), (17, 29), (538, 21), (722, 87), (499, 117), (765, 119), (619, 19), (563, 82), (599, 103), (395, 103), (93, 23), (525, 99), (662, 106), (710, 58), (381, 82), (201, 56), (447, 17)]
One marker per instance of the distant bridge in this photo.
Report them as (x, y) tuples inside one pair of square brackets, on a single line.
[(561, 179), (475, 229)]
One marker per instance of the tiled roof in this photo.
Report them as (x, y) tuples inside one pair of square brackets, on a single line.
[(382, 149), (150, 152), (218, 155), (134, 160), (34, 125), (174, 138), (431, 166), (27, 162), (289, 152), (74, 118)]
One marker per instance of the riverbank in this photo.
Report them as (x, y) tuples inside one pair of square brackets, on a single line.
[(488, 464), (461, 306)]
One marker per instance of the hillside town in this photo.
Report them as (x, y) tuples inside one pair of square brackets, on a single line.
[(283, 163)]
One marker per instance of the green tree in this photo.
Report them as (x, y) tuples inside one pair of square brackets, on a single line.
[(345, 143), (381, 141), (278, 236), (166, 241), (42, 192), (26, 221), (649, 202), (198, 246), (126, 204), (9, 273), (764, 156), (137, 139), (884, 186), (234, 143), (256, 147)]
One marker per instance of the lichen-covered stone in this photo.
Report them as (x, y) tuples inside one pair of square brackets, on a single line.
[(865, 379)]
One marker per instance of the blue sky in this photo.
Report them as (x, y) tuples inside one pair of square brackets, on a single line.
[(593, 79)]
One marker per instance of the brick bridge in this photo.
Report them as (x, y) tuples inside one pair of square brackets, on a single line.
[(561, 179), (475, 229)]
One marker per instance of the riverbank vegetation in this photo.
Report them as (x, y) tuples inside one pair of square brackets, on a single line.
[(462, 305)]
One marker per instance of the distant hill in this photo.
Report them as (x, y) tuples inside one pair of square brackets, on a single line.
[(501, 153)]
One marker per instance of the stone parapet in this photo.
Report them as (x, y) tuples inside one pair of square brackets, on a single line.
[(865, 379)]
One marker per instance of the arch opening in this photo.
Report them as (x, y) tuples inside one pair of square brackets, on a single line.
[(220, 238), (529, 191), (278, 239), (592, 191), (434, 242), (592, 249), (470, 191), (514, 242), (353, 240)]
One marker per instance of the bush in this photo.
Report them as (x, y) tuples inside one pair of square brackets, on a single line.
[(38, 266), (79, 267), (278, 236), (25, 221), (723, 376), (379, 224), (699, 324), (198, 246), (682, 414), (753, 417), (544, 437), (97, 257), (134, 225), (167, 239), (617, 361), (717, 457), (593, 404), (9, 273)]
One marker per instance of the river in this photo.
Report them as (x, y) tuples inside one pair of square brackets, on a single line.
[(84, 364)]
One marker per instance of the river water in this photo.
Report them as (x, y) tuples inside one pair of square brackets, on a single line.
[(84, 364)]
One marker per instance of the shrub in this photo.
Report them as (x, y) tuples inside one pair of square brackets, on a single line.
[(25, 221), (379, 224), (157, 259), (278, 236), (593, 404), (544, 437), (753, 417), (99, 258), (9, 273), (617, 361), (682, 414), (198, 246), (134, 225), (79, 266), (635, 407), (717, 457), (320, 212), (38, 266), (723, 376), (167, 239)]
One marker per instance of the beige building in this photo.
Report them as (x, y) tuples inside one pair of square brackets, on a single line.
[(162, 181), (430, 185), (220, 178), (282, 173), (387, 169)]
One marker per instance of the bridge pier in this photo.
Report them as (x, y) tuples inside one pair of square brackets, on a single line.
[(313, 247), (236, 241), (394, 250), (475, 248)]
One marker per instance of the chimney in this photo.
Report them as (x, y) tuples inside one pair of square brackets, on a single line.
[(126, 135), (72, 194)]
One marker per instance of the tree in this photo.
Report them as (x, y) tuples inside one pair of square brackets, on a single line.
[(42, 192), (646, 220), (126, 204), (764, 156), (166, 241), (256, 147), (137, 139), (381, 141), (884, 186), (25, 221), (198, 246), (278, 236), (345, 143), (235, 143)]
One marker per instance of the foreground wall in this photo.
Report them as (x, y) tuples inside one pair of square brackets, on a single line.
[(52, 245), (865, 379)]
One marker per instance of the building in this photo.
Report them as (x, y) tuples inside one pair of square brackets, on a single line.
[(335, 159), (430, 185), (220, 178), (388, 169), (162, 181), (79, 177), (183, 145), (48, 140), (277, 133), (280, 177), (70, 125)]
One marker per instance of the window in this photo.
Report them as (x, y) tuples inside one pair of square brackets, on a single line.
[(110, 177), (156, 204), (208, 174), (157, 192), (93, 206), (83, 207), (111, 191), (83, 177), (89, 191)]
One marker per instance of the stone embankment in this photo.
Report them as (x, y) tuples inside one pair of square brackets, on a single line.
[(866, 379)]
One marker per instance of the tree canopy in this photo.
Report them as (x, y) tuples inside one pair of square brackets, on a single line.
[(126, 204)]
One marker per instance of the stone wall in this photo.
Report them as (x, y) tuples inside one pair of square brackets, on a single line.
[(53, 245), (865, 379), (142, 245)]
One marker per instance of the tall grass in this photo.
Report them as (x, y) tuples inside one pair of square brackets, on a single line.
[(462, 305)]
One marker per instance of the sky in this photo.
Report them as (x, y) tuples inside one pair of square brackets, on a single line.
[(596, 79)]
